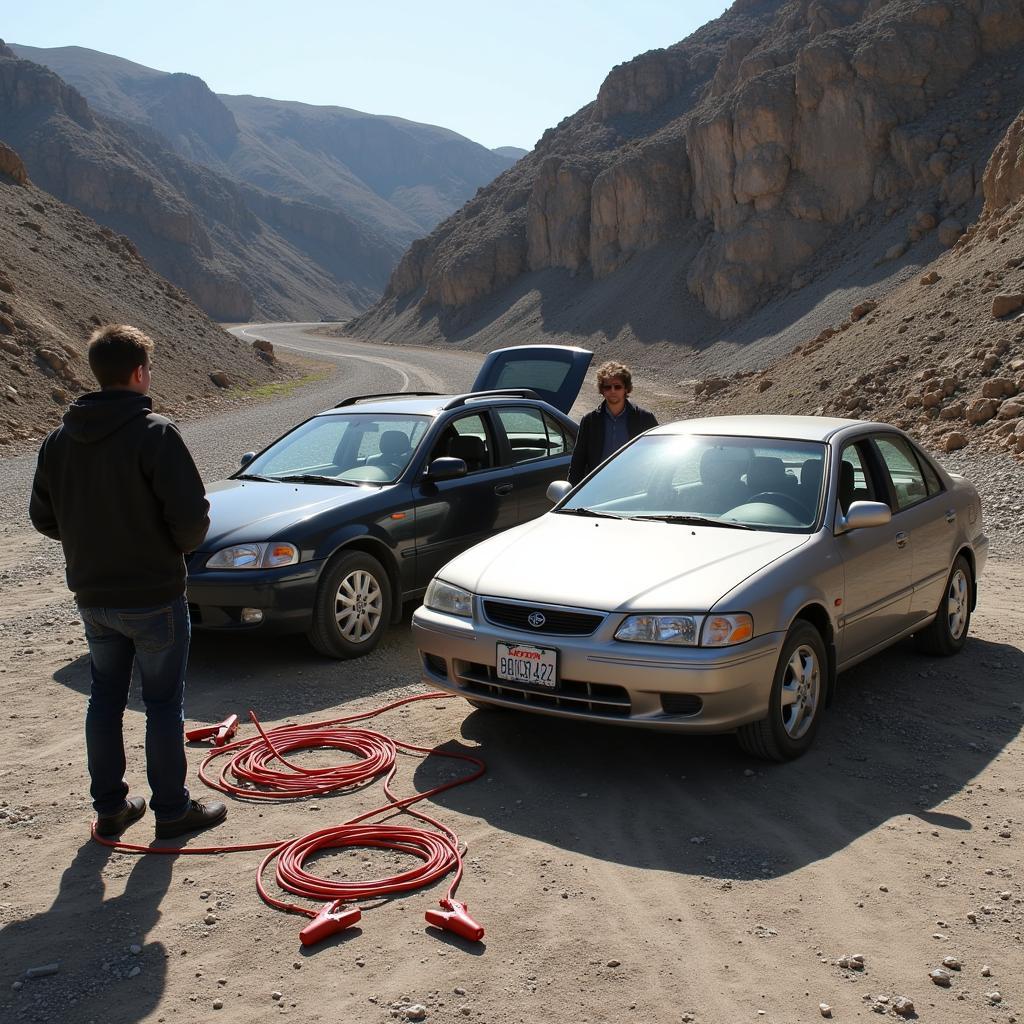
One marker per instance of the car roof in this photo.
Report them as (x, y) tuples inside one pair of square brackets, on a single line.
[(434, 405), (795, 428)]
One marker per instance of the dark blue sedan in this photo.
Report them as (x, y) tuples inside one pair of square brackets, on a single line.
[(337, 523)]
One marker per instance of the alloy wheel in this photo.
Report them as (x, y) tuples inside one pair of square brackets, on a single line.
[(801, 691), (358, 606), (957, 604)]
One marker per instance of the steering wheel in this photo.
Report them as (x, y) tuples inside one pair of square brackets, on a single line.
[(785, 501)]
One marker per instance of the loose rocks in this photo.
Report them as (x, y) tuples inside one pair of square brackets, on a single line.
[(941, 977)]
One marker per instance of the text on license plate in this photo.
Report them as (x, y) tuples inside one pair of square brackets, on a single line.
[(523, 663)]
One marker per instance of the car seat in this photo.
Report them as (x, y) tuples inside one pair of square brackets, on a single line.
[(846, 486), (721, 486), (768, 473), (471, 450), (394, 450), (811, 473)]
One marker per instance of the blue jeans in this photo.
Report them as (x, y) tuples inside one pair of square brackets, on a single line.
[(158, 640)]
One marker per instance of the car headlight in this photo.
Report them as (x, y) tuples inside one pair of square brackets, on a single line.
[(660, 629), (443, 597), (687, 630), (726, 630), (254, 556)]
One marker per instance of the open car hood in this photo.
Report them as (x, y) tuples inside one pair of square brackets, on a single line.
[(555, 372)]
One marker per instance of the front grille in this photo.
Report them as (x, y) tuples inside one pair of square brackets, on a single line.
[(681, 704), (597, 699), (436, 665), (557, 621)]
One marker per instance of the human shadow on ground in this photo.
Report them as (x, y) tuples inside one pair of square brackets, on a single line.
[(89, 936), (904, 734)]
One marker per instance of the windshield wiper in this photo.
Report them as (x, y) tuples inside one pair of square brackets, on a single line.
[(593, 513), (313, 478), (695, 521), (256, 476)]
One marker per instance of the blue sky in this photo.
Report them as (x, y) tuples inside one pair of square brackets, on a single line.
[(498, 73)]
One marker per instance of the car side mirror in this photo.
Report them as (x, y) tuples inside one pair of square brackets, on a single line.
[(246, 458), (557, 490), (446, 468), (862, 514)]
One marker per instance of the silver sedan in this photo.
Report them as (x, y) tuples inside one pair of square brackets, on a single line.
[(713, 575)]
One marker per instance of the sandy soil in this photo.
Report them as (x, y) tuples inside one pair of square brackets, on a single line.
[(620, 875)]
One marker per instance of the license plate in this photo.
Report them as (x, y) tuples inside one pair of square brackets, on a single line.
[(523, 663)]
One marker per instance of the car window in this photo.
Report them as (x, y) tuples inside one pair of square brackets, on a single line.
[(466, 438), (904, 470), (355, 447), (531, 435), (559, 441), (855, 481), (931, 478), (753, 482)]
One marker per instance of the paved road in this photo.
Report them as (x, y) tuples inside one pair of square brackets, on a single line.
[(217, 441)]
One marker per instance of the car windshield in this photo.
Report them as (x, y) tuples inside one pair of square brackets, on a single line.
[(701, 479), (342, 448)]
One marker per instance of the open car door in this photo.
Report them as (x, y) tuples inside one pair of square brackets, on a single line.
[(555, 372)]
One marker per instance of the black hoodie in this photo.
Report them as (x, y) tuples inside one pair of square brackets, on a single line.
[(117, 487)]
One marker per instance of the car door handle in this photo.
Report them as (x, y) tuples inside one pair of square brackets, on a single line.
[(950, 515), (901, 540), (503, 489)]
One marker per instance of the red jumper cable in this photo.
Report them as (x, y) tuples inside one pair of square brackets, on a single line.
[(254, 762)]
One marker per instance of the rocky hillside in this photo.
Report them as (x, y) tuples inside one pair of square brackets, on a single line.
[(61, 276), (727, 175), (240, 252), (942, 355), (395, 178)]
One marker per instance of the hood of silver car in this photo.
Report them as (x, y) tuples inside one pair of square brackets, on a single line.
[(613, 565)]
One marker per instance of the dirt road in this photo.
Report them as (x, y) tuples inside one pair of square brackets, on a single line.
[(621, 876)]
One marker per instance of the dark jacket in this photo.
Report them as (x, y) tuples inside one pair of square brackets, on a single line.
[(590, 440), (117, 487)]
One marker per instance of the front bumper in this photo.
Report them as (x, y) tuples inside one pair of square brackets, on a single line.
[(688, 689), (285, 596)]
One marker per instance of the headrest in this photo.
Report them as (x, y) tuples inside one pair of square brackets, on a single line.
[(394, 442), (810, 474), (468, 448), (766, 473), (722, 465)]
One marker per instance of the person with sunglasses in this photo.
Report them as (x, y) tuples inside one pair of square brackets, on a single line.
[(612, 424)]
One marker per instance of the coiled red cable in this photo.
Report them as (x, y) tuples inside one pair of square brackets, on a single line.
[(251, 763)]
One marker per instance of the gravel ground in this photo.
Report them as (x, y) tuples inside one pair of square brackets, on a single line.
[(621, 875)]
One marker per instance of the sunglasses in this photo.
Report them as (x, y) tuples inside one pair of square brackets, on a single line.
[(613, 387)]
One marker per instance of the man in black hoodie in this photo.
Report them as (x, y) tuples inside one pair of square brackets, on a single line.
[(611, 425), (117, 487)]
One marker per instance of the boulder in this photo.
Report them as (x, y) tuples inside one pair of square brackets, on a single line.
[(950, 231), (11, 165), (1005, 303), (1010, 410), (981, 410), (954, 441), (220, 378), (863, 308), (999, 387)]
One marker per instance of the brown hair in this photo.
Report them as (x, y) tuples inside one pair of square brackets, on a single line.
[(610, 370), (115, 352)]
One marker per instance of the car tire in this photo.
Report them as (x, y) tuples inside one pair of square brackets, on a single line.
[(947, 632), (796, 701), (353, 606)]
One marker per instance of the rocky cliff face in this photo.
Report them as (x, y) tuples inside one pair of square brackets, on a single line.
[(238, 251), (749, 145)]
